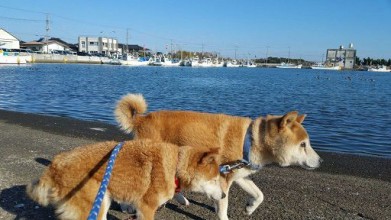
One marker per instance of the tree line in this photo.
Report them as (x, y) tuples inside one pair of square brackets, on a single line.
[(372, 62)]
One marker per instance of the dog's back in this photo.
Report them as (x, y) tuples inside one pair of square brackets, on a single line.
[(73, 178)]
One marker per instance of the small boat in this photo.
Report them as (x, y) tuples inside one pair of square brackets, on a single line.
[(320, 66), (379, 69), (248, 64), (233, 63), (156, 60), (289, 66), (131, 60), (195, 61), (206, 62), (170, 62)]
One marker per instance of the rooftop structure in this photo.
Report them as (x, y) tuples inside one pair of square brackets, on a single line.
[(343, 57)]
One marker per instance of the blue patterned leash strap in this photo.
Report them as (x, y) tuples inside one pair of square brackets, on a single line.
[(105, 182)]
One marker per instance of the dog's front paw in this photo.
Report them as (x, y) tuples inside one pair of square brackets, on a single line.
[(253, 204), (127, 208)]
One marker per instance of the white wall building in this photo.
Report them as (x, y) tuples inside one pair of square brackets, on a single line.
[(8, 41), (98, 45), (45, 47)]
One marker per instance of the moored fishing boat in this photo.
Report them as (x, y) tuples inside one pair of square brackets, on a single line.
[(379, 69), (233, 63), (320, 66), (289, 66)]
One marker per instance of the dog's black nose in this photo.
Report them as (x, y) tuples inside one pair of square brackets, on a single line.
[(223, 196)]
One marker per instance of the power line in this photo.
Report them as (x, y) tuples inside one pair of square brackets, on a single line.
[(21, 19)]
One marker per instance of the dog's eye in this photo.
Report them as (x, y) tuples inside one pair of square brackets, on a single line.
[(303, 144)]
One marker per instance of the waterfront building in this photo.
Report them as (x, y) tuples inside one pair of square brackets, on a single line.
[(342, 57), (50, 46), (98, 45), (8, 41)]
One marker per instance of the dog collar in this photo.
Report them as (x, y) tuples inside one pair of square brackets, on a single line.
[(177, 185), (245, 162)]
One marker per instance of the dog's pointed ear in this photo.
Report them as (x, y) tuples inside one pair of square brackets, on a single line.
[(301, 118), (287, 119), (209, 157)]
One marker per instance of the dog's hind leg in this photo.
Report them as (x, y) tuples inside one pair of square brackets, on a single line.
[(250, 187)]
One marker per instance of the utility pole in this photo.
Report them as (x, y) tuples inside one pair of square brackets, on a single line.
[(47, 33)]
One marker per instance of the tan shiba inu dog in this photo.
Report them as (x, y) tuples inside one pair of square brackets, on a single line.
[(265, 140), (143, 174)]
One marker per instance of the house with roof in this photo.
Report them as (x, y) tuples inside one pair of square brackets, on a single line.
[(133, 48), (50, 46), (8, 41)]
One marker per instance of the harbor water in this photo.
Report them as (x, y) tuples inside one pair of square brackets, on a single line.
[(347, 111)]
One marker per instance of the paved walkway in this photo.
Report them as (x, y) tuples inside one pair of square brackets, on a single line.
[(345, 187)]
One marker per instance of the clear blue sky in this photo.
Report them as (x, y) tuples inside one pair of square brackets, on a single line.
[(305, 27)]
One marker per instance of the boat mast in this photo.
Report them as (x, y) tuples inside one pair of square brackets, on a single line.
[(127, 40)]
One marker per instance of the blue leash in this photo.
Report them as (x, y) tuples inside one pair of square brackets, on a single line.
[(105, 182)]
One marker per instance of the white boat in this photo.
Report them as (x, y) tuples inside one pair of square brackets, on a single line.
[(195, 61), (170, 62), (156, 60), (249, 64), (233, 63), (320, 66), (13, 58), (206, 62), (289, 66), (379, 69), (131, 60)]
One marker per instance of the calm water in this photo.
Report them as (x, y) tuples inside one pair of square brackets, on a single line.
[(346, 111)]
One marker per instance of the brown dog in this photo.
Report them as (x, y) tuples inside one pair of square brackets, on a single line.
[(271, 139), (143, 174)]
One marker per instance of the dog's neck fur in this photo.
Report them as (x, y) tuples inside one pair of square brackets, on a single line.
[(260, 153), (183, 174)]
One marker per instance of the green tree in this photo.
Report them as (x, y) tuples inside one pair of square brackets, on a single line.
[(358, 61)]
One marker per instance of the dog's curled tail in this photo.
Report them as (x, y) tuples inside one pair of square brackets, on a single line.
[(127, 108), (40, 190)]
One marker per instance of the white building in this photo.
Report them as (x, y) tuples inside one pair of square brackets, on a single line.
[(98, 45), (45, 46), (8, 41)]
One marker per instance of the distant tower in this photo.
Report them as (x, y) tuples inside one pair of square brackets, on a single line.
[(351, 46)]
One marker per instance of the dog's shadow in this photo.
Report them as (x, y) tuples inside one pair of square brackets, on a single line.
[(189, 215), (15, 201)]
